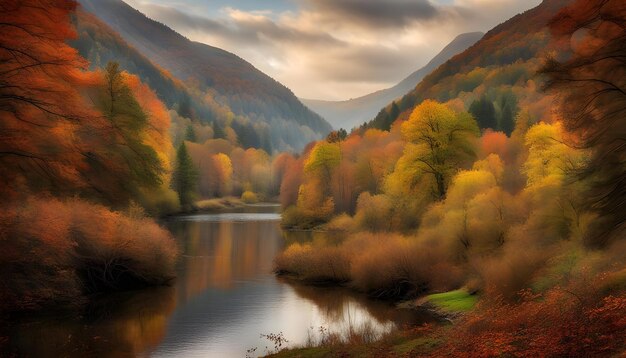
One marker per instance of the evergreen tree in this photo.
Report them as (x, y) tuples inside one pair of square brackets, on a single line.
[(484, 112), (393, 115), (185, 177), (508, 110), (218, 131), (507, 121), (190, 134), (184, 107), (129, 120)]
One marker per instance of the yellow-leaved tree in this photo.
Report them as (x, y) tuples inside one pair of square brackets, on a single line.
[(440, 141)]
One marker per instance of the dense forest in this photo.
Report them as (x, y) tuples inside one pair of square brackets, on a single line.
[(498, 183), (501, 175)]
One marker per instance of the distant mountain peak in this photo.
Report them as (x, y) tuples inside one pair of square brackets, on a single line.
[(353, 112)]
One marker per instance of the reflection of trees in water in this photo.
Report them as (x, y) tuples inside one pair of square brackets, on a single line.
[(218, 254), (120, 325), (338, 303)]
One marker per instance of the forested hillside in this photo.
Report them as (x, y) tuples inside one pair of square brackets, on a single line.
[(231, 81), (500, 181), (498, 72), (354, 112), (99, 44)]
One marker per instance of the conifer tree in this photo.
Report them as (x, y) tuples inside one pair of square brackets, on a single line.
[(185, 176)]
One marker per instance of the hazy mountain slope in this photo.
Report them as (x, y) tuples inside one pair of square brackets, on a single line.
[(246, 90), (354, 112), (503, 63), (99, 44)]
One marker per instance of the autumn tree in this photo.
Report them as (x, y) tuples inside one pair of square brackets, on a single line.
[(324, 158), (592, 85), (224, 172), (185, 176), (315, 194), (439, 142), (130, 123), (41, 109)]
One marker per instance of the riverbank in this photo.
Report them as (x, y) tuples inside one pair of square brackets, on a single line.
[(423, 339), (222, 205), (410, 342)]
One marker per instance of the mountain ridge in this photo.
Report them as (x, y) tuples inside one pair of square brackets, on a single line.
[(237, 83), (353, 112), (511, 43)]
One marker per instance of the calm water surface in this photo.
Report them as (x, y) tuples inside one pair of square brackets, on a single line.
[(224, 298)]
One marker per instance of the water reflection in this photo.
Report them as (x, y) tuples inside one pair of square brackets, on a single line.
[(225, 296), (120, 325)]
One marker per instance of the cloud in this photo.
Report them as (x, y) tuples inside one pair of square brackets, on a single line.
[(337, 49), (374, 13)]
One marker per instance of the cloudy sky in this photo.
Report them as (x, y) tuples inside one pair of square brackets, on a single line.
[(332, 49)]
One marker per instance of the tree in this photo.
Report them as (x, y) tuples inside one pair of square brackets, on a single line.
[(218, 131), (184, 107), (185, 178), (484, 112), (440, 142), (324, 158), (592, 86), (394, 112), (190, 134), (508, 110), (41, 108), (337, 136), (225, 172), (130, 122)]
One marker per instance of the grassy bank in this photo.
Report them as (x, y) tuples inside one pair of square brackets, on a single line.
[(456, 301)]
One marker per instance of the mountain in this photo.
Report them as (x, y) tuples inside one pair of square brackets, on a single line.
[(351, 113), (500, 69), (99, 44), (231, 80)]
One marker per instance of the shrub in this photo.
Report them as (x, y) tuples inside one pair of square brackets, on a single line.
[(373, 212), (557, 324), (315, 264), (53, 251), (342, 222), (249, 197)]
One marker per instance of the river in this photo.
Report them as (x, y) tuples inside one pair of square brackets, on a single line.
[(224, 298)]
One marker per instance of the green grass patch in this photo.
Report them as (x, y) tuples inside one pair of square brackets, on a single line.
[(453, 301)]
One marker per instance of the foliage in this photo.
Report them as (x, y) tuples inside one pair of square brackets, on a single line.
[(504, 60), (439, 142), (53, 250), (591, 84), (185, 176), (249, 197), (267, 114), (484, 112)]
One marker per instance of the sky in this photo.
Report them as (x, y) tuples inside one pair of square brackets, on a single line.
[(332, 49)]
